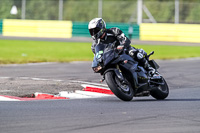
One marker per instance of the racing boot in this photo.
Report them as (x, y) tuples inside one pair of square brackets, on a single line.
[(151, 71)]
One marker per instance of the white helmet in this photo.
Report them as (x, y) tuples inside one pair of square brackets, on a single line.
[(97, 27)]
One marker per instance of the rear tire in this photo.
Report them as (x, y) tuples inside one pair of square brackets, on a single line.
[(161, 92), (122, 91)]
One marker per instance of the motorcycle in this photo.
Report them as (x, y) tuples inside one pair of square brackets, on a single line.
[(125, 77)]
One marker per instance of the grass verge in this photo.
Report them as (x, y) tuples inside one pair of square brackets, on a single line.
[(25, 51)]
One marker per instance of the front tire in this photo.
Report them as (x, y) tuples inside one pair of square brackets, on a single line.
[(122, 91), (161, 92)]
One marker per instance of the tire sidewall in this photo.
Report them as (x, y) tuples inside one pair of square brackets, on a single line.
[(110, 80), (161, 94)]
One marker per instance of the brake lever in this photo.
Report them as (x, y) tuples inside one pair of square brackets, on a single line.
[(149, 55)]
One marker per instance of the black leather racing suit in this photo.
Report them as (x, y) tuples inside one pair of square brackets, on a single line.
[(112, 35), (115, 34)]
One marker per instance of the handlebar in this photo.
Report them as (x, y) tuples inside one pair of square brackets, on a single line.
[(147, 56), (151, 53)]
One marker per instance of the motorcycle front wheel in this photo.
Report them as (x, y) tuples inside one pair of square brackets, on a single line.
[(122, 90)]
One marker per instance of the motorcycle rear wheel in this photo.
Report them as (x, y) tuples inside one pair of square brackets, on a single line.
[(122, 91), (161, 92)]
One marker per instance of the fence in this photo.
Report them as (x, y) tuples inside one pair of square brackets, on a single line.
[(126, 11), (55, 29), (43, 15), (1, 25), (37, 28), (68, 29), (81, 29), (170, 32)]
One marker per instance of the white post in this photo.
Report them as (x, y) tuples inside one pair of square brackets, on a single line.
[(60, 8), (148, 13), (100, 9), (23, 9), (176, 17), (139, 12)]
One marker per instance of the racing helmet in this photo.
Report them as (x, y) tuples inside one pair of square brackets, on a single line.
[(97, 27)]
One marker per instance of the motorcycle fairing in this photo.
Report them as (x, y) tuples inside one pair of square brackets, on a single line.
[(107, 55)]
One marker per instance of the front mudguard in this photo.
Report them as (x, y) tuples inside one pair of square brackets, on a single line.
[(154, 64), (130, 68), (117, 73)]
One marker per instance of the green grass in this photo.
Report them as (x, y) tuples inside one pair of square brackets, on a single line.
[(171, 52), (17, 51), (20, 51)]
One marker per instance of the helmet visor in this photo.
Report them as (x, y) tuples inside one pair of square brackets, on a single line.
[(94, 31)]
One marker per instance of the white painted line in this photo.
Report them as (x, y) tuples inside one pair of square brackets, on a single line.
[(86, 85), (89, 83), (57, 80), (37, 93), (84, 94), (24, 78), (72, 95), (92, 94), (5, 90), (39, 79), (2, 98), (5, 77)]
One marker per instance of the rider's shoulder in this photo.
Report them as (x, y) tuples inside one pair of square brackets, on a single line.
[(115, 31)]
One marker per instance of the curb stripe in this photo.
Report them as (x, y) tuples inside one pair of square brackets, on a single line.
[(98, 90), (89, 91)]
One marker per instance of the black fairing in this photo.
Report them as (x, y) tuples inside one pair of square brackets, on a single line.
[(104, 55), (108, 57), (98, 57)]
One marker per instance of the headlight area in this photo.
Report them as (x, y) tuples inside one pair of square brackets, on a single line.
[(97, 69)]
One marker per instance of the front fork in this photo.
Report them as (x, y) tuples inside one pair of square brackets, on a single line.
[(130, 67), (117, 73)]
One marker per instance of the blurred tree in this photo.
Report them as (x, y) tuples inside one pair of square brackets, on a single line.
[(118, 11), (42, 9), (80, 10), (162, 11), (113, 10), (193, 16)]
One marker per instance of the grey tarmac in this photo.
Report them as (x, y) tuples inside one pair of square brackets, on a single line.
[(179, 113), (26, 79)]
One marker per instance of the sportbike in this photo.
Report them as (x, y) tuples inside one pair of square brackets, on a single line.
[(125, 77)]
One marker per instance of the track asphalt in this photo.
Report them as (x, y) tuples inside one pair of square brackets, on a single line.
[(26, 79), (179, 113)]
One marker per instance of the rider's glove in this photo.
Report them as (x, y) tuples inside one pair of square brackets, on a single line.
[(121, 38), (132, 51)]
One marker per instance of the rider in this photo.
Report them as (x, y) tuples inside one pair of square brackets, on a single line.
[(99, 33)]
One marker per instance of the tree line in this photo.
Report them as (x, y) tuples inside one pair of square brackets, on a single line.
[(112, 11)]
